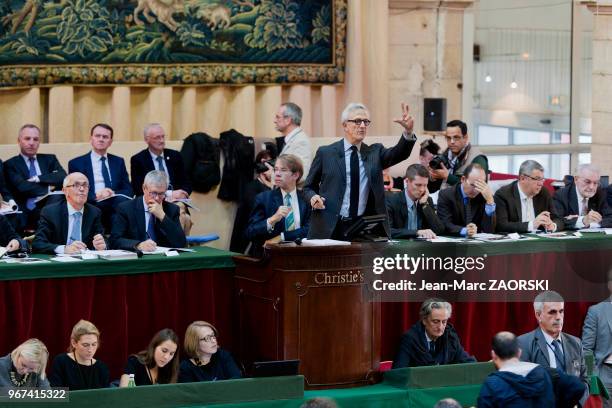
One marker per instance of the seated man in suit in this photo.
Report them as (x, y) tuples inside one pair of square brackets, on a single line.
[(345, 181), (148, 221), (30, 175), (468, 207), (411, 212), (582, 203), (548, 345), (8, 237), (523, 205), (106, 173), (70, 227), (5, 194), (282, 213), (432, 340)]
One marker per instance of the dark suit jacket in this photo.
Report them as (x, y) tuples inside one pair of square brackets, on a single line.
[(142, 163), (17, 175), (397, 209), (509, 215), (266, 204), (565, 202), (7, 233), (452, 212), (597, 336), (327, 177), (120, 182), (129, 227), (53, 227), (6, 194), (534, 349)]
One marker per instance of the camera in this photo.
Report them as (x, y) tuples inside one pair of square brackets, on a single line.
[(438, 160), (262, 167)]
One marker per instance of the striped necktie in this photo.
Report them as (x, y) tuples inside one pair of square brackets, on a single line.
[(289, 219)]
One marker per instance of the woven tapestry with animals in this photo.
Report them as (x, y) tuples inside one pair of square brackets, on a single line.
[(175, 42)]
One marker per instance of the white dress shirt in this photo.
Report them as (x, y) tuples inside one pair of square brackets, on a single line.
[(550, 348), (579, 222), (364, 182), (527, 211)]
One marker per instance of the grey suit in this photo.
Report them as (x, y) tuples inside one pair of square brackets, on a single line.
[(597, 337), (534, 349)]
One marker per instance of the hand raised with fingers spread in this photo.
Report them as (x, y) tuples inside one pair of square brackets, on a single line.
[(406, 120)]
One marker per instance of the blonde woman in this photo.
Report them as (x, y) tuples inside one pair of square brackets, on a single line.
[(25, 366), (206, 360), (78, 369)]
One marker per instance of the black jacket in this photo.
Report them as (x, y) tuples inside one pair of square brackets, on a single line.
[(17, 175), (453, 215), (142, 163), (565, 201), (397, 208), (202, 159), (238, 155)]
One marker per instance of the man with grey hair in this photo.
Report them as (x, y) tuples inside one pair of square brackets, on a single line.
[(148, 221), (547, 345), (523, 205), (582, 203), (447, 403), (287, 120), (72, 226), (432, 340), (345, 181), (157, 157)]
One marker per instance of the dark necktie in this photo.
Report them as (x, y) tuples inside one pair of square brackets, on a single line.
[(584, 210), (31, 202), (105, 173), (468, 210), (160, 163), (559, 354), (432, 346), (354, 205), (151, 228)]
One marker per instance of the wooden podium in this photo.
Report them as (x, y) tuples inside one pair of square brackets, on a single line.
[(311, 304)]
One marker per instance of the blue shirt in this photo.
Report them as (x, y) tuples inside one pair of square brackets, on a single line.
[(489, 209)]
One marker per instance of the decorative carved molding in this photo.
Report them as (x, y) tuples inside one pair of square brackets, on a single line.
[(430, 4), (599, 7)]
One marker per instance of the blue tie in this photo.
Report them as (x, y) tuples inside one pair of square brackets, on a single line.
[(151, 228), (160, 163), (75, 234), (105, 173), (559, 354), (31, 202), (412, 217)]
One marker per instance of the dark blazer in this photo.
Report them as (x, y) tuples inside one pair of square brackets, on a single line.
[(7, 233), (129, 227), (6, 194), (452, 212), (238, 242), (397, 209), (53, 227), (414, 351), (266, 204), (327, 177), (142, 163), (565, 202), (509, 216), (534, 349), (120, 182), (17, 175)]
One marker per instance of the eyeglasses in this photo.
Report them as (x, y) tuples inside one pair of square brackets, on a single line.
[(453, 138), (358, 122), (536, 179), (283, 170), (155, 194), (78, 186), (209, 338)]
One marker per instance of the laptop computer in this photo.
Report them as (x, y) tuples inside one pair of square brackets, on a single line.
[(275, 368)]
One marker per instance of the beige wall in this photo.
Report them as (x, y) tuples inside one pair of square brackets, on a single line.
[(393, 55)]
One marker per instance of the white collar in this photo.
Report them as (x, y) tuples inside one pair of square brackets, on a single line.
[(72, 210), (96, 156), (347, 145), (26, 158), (549, 339), (521, 194), (290, 136)]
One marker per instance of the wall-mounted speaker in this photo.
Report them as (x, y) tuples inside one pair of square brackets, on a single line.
[(434, 114)]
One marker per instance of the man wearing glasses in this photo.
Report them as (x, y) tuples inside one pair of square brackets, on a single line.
[(582, 204), (148, 221), (524, 206), (460, 153), (345, 181), (469, 207), (73, 226)]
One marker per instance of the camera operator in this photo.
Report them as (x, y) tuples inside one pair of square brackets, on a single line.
[(459, 154), (429, 156)]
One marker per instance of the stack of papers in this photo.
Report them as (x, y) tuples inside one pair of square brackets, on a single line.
[(323, 242)]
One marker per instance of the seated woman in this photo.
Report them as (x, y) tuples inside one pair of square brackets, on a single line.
[(25, 366), (78, 369), (158, 364), (207, 361)]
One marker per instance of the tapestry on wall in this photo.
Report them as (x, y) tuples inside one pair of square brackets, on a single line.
[(175, 42)]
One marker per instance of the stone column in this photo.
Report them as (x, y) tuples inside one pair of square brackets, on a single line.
[(601, 147)]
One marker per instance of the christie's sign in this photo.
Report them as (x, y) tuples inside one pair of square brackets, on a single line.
[(338, 278)]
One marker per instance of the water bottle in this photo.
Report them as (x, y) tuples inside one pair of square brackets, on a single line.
[(131, 382)]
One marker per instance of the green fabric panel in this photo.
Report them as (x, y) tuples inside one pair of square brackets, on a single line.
[(467, 395), (203, 258), (588, 242), (439, 376), (173, 395)]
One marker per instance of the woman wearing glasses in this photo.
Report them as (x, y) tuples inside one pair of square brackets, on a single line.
[(78, 369), (25, 366), (157, 364), (206, 360)]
